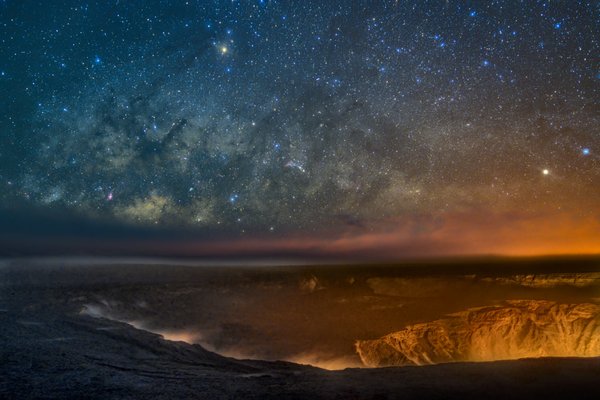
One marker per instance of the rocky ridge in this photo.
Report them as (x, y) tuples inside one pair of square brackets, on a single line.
[(513, 330)]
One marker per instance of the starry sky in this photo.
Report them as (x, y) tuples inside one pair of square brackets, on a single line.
[(301, 127)]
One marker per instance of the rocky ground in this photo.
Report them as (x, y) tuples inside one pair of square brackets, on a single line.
[(49, 349), (46, 356)]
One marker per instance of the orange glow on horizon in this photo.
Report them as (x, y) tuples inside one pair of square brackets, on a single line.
[(458, 234), (415, 237)]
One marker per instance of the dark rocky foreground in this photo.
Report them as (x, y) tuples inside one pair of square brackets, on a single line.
[(49, 349), (48, 354)]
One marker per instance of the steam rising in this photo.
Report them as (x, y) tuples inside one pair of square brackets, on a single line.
[(337, 319)]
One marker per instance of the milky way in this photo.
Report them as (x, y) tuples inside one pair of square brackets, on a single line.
[(273, 116)]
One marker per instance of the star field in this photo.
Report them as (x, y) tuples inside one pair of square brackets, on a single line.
[(276, 116)]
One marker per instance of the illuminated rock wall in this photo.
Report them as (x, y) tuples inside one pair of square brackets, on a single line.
[(516, 329)]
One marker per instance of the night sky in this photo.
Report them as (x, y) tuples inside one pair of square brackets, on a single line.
[(304, 127)]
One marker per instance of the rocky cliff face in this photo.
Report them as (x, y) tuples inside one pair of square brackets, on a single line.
[(549, 280), (516, 329)]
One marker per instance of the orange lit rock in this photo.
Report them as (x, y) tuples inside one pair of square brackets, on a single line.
[(516, 329)]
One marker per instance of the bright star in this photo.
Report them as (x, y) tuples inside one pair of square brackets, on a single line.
[(585, 151), (546, 172)]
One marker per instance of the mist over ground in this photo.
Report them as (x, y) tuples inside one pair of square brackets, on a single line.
[(306, 314)]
